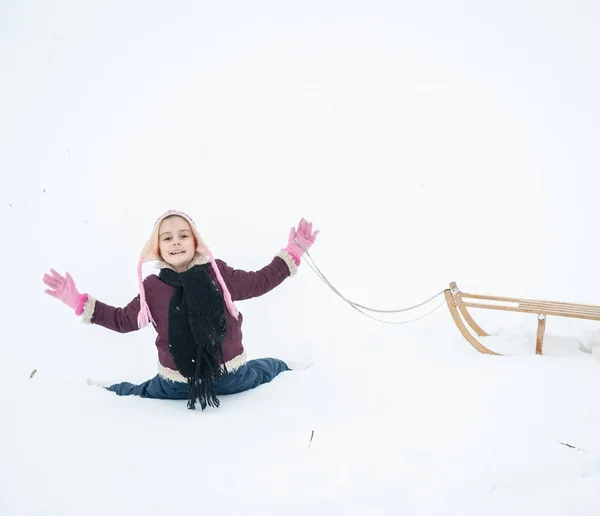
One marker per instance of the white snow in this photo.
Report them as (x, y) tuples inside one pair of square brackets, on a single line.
[(428, 142)]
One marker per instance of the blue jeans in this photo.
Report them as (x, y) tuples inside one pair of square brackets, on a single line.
[(252, 374)]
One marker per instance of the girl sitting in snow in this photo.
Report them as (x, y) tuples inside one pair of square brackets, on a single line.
[(190, 304)]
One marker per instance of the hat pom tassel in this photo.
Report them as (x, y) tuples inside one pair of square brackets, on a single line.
[(226, 294), (144, 316)]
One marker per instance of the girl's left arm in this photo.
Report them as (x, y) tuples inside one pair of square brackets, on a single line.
[(245, 285), (248, 284)]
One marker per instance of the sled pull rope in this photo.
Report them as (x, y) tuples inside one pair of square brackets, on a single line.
[(361, 308)]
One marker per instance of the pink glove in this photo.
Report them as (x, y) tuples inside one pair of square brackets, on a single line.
[(299, 238), (65, 290)]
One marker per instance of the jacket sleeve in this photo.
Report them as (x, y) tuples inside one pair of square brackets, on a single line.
[(248, 284), (122, 320)]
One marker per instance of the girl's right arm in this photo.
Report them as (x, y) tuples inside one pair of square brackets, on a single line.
[(91, 310), (122, 320)]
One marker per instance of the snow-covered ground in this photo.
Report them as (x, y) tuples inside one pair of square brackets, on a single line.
[(429, 142), (402, 431)]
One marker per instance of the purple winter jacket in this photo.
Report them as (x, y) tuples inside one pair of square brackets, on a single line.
[(241, 284)]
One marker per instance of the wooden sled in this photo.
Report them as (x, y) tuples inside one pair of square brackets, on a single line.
[(459, 302)]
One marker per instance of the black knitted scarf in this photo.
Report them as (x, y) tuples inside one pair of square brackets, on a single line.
[(197, 326)]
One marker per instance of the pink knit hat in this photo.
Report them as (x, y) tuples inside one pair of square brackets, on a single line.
[(151, 252)]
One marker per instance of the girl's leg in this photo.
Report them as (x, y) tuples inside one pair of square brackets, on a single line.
[(249, 376), (252, 374), (157, 388)]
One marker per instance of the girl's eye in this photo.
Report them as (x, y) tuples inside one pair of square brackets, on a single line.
[(166, 239), (184, 236)]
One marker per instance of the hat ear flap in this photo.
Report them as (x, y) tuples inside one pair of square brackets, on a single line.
[(151, 250), (201, 247)]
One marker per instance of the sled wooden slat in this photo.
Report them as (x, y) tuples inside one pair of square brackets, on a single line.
[(536, 309), (465, 295), (459, 302), (563, 309)]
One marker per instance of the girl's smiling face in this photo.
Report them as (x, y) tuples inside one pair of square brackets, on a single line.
[(176, 242)]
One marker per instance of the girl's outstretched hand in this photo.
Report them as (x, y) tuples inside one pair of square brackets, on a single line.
[(301, 238), (64, 288)]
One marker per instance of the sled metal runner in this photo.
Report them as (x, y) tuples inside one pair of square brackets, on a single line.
[(459, 302)]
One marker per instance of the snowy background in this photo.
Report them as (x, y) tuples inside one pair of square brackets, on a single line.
[(429, 142)]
